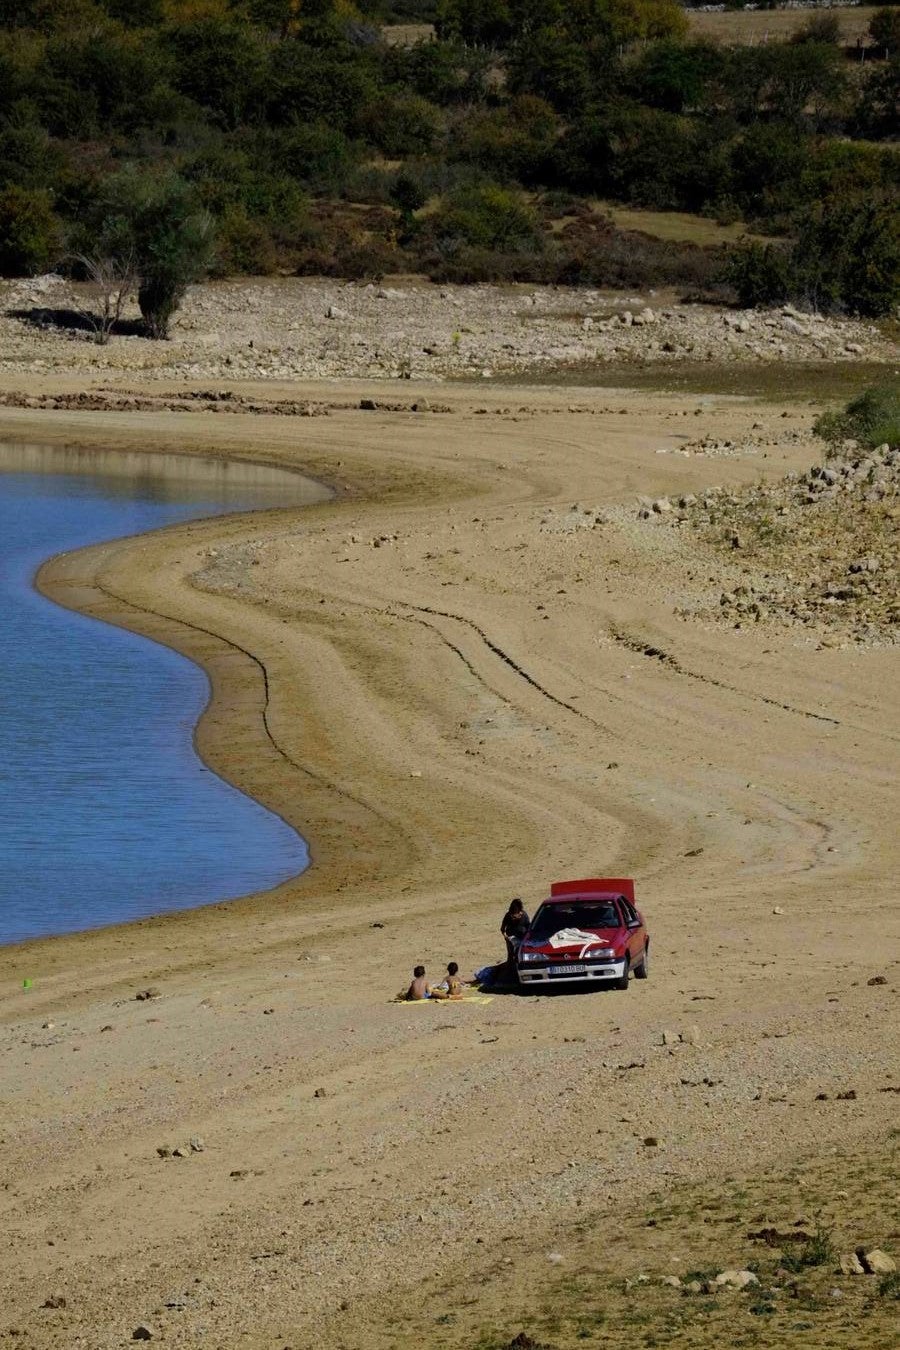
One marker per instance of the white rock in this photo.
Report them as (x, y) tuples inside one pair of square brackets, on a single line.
[(876, 1262), (736, 1279)]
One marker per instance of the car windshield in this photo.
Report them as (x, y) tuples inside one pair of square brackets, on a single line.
[(586, 914)]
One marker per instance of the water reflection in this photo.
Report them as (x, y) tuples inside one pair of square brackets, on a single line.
[(106, 813)]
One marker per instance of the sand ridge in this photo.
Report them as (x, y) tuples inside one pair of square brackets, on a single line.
[(442, 678)]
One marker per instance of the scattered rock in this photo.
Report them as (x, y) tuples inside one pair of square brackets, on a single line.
[(875, 1261), (877, 979), (673, 1281), (145, 994), (144, 1332), (164, 1151), (320, 1092), (736, 1279), (850, 1264), (670, 1038), (182, 1151), (54, 1301), (651, 1141), (197, 1145)]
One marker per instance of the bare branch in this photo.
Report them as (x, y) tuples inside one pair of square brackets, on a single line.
[(110, 280)]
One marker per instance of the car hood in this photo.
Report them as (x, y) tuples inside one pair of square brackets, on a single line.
[(574, 942)]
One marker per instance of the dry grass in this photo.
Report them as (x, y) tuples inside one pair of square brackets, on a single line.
[(407, 34), (677, 226), (608, 1289), (774, 25), (735, 26)]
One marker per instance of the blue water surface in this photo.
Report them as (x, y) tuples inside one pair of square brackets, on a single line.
[(106, 811)]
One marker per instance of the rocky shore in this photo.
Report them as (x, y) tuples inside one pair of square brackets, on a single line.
[(298, 328), (817, 550)]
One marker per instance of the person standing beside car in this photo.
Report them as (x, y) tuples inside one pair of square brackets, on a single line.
[(514, 926)]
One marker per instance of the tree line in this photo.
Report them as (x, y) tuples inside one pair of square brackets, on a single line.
[(147, 142)]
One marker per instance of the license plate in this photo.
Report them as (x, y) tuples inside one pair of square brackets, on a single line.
[(565, 970)]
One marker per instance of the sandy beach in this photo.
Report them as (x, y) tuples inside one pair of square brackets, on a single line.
[(471, 671)]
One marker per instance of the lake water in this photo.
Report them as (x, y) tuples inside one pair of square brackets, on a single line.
[(106, 811)]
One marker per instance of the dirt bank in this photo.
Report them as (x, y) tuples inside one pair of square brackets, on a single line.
[(449, 677)]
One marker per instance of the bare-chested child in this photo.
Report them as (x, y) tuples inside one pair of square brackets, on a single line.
[(419, 988), (451, 986)]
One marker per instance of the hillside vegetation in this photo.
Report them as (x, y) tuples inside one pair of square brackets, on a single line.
[(158, 139)]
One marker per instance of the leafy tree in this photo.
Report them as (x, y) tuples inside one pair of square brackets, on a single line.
[(104, 78), (878, 111), (549, 64), (445, 73), (408, 195), (478, 21), (315, 154), (766, 164), (401, 124), (488, 217), (884, 30), (675, 76), (307, 84), (28, 156), (135, 13), (515, 141), (30, 233), (221, 64), (819, 28), (761, 274), (847, 255), (159, 223)]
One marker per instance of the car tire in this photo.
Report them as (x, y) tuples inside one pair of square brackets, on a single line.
[(642, 969), (623, 982)]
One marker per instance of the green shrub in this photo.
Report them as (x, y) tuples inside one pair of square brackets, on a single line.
[(30, 234), (889, 1285), (846, 257), (761, 274), (871, 419), (817, 1250), (244, 246), (400, 124), (884, 30), (513, 142), (489, 217)]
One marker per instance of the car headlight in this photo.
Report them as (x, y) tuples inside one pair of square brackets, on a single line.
[(530, 956), (601, 954)]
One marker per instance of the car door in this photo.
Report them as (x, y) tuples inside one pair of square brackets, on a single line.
[(635, 929)]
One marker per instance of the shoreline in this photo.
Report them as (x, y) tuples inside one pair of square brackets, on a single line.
[(461, 682)]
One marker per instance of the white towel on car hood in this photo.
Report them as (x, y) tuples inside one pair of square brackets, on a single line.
[(572, 937)]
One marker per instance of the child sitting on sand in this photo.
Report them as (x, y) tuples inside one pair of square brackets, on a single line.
[(419, 988), (451, 986)]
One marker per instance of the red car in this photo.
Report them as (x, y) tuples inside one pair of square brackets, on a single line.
[(587, 930)]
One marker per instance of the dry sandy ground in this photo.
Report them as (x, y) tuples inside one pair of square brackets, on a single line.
[(460, 714)]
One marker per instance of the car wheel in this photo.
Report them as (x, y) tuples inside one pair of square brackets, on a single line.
[(642, 969), (623, 982)]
